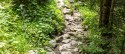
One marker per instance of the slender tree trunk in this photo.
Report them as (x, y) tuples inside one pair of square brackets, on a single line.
[(123, 42), (122, 47), (106, 9), (105, 12), (112, 13), (101, 11)]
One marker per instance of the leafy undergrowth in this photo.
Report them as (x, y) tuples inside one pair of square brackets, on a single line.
[(88, 15), (25, 27), (94, 40), (90, 19)]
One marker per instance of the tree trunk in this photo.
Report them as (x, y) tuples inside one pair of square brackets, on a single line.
[(105, 12), (122, 47), (106, 9)]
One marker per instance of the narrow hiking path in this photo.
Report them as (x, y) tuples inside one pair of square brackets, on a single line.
[(68, 42)]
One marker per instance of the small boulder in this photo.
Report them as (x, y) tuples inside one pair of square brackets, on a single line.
[(53, 42), (60, 3), (32, 52), (72, 33), (76, 50), (65, 36), (65, 47), (48, 49), (50, 52), (68, 17), (59, 40), (66, 40), (65, 10), (76, 14), (73, 43)]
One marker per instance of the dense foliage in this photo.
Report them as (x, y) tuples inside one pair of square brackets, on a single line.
[(28, 25), (89, 11), (96, 44)]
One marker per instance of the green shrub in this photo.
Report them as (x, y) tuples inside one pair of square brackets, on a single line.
[(25, 27), (44, 19), (11, 37), (90, 19)]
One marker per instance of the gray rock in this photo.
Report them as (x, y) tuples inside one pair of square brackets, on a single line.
[(65, 10), (50, 52), (73, 43), (73, 29), (76, 14), (68, 17), (76, 49), (79, 43), (58, 40), (60, 3), (65, 36), (48, 49), (79, 30), (32, 52), (65, 47), (66, 52), (72, 33), (80, 36), (66, 40), (53, 42)]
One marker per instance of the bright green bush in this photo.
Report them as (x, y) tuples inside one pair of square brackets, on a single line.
[(90, 19), (11, 37), (42, 19)]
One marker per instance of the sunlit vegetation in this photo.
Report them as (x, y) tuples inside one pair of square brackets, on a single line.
[(113, 39), (91, 20)]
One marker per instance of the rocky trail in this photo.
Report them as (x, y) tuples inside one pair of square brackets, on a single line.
[(68, 42)]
